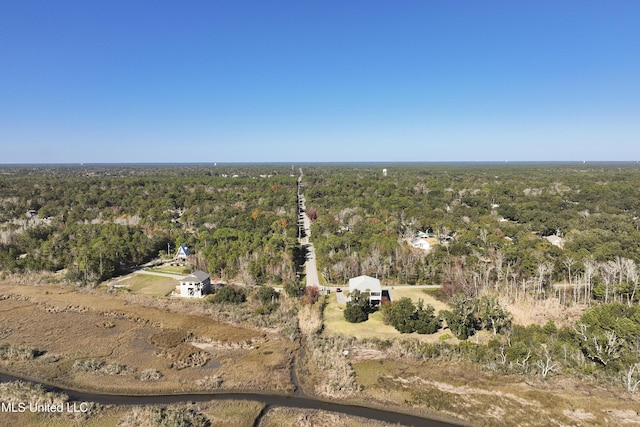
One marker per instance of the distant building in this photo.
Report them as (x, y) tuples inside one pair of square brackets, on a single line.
[(555, 240), (367, 284), (196, 285), (420, 243), (183, 253)]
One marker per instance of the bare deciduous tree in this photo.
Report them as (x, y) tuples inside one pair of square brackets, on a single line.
[(631, 378), (545, 364)]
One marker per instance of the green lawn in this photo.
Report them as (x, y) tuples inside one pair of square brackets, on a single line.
[(171, 269), (335, 324), (147, 284), (417, 294)]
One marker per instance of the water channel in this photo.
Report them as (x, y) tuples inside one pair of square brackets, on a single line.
[(298, 401)]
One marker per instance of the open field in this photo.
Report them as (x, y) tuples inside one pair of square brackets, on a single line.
[(101, 341), (461, 390), (147, 284)]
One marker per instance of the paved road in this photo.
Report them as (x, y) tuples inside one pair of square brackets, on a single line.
[(311, 270)]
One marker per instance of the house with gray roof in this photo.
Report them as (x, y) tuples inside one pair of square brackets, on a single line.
[(195, 285), (367, 284)]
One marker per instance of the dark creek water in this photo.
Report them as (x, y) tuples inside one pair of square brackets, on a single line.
[(270, 400)]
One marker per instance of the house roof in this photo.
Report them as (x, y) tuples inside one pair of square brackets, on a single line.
[(183, 249), (362, 283), (196, 276)]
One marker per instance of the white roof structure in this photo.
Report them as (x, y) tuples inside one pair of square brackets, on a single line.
[(555, 240), (367, 284), (420, 243)]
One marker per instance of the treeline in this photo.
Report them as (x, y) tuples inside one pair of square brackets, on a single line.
[(489, 225), (89, 252), (96, 222), (604, 343)]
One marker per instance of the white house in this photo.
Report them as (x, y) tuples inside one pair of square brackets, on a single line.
[(367, 284), (420, 243), (555, 240), (196, 285), (183, 253)]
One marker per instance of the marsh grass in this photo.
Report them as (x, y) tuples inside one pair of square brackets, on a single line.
[(291, 417), (126, 334), (464, 391)]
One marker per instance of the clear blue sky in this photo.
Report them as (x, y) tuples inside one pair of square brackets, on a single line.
[(299, 80)]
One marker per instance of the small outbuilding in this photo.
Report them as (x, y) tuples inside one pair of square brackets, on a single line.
[(367, 284), (195, 285)]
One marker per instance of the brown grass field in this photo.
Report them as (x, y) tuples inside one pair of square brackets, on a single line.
[(108, 329)]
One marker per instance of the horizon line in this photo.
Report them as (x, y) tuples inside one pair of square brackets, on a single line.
[(412, 162)]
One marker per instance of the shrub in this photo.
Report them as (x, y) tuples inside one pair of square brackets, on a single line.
[(50, 358), (294, 288), (311, 295), (114, 369), (354, 314), (264, 310), (10, 352), (445, 337), (229, 294), (426, 322), (21, 391), (210, 382), (150, 375), (400, 315), (88, 365), (164, 417), (267, 295), (358, 308)]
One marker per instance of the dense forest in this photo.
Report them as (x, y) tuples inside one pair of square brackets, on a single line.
[(489, 223), (526, 232), (95, 222), (498, 234), (490, 226)]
